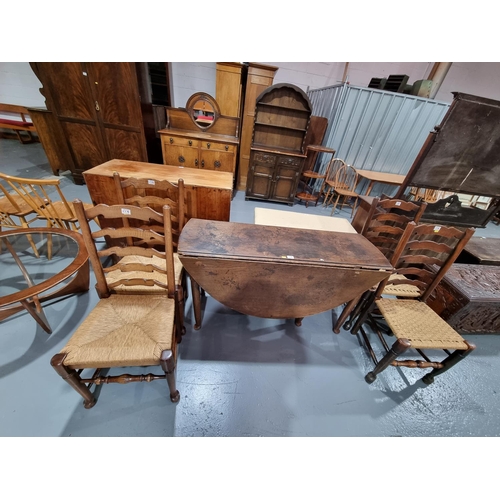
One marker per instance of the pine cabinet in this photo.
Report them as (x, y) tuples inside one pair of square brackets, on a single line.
[(282, 117)]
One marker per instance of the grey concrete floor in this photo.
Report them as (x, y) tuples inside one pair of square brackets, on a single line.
[(239, 375)]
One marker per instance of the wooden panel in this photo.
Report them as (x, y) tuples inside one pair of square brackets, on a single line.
[(85, 144), (484, 251), (125, 144), (66, 88), (178, 118), (217, 160), (259, 78), (52, 139), (468, 298), (185, 156), (228, 87), (116, 89), (285, 183)]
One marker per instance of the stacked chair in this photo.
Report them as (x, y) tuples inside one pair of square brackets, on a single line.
[(385, 222), (42, 197), (398, 306), (154, 194), (127, 328), (340, 181)]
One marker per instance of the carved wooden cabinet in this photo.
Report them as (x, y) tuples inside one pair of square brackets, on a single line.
[(468, 298), (282, 117), (198, 136)]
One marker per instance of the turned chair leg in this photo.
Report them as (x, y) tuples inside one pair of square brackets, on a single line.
[(398, 348), (365, 309), (448, 363), (179, 313), (345, 312), (196, 295), (167, 363), (298, 321), (73, 379)]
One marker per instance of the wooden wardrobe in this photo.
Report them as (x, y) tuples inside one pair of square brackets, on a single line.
[(93, 114)]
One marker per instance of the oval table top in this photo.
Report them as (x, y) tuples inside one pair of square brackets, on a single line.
[(61, 253), (279, 272)]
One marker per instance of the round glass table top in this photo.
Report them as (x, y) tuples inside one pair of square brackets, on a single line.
[(36, 259)]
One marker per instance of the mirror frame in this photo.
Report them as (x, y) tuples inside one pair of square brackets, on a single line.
[(202, 96)]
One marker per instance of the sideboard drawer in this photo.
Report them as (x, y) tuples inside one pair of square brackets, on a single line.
[(179, 141)]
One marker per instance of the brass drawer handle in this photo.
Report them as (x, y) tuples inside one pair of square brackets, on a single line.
[(182, 159), (190, 143), (226, 148), (208, 145), (217, 163), (202, 163), (196, 162), (171, 140)]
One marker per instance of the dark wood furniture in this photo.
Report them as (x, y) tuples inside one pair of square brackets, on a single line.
[(400, 301), (39, 264), (258, 78), (17, 122), (93, 114), (199, 136), (208, 193), (461, 156), (279, 272), (126, 327), (468, 298), (385, 223), (282, 116), (482, 250)]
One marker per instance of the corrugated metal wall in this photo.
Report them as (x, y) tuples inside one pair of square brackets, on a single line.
[(375, 130)]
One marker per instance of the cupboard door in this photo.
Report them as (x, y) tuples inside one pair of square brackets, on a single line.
[(285, 183), (116, 98), (217, 160), (260, 181), (180, 156)]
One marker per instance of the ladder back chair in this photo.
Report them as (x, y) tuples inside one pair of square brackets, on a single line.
[(423, 256), (385, 224), (155, 194), (126, 328)]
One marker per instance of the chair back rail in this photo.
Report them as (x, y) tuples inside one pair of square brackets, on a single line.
[(142, 239), (45, 198), (154, 194)]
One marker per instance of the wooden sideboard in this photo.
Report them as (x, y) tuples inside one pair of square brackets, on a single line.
[(199, 136), (208, 193), (199, 150)]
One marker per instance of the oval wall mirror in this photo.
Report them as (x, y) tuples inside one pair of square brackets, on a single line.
[(203, 110)]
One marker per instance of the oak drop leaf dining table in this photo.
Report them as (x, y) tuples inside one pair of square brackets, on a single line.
[(279, 272), (38, 264)]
